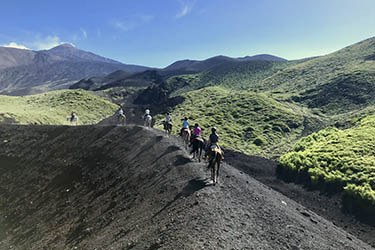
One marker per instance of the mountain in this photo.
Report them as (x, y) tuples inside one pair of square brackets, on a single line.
[(120, 79), (178, 74), (12, 57), (25, 71), (263, 57), (339, 82), (194, 66)]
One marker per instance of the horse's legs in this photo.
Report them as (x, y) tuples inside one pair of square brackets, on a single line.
[(217, 170), (199, 152)]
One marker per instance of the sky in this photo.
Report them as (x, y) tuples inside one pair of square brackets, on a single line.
[(157, 33)]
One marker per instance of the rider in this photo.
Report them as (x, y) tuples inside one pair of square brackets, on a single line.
[(72, 116), (168, 120), (185, 125), (197, 131), (120, 112), (147, 112), (212, 141)]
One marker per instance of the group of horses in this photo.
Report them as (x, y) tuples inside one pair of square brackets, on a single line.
[(198, 144)]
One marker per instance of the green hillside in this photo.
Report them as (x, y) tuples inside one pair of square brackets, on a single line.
[(246, 121), (338, 82), (54, 107), (241, 75), (338, 159)]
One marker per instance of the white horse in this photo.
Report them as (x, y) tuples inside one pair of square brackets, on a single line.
[(73, 120), (148, 121)]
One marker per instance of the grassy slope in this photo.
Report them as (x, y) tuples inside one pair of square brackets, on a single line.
[(344, 158), (341, 81), (246, 121), (54, 107), (338, 88), (233, 75)]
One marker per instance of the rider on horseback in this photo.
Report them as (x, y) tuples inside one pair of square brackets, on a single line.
[(120, 112), (212, 143), (196, 132), (72, 116), (185, 126), (147, 112), (168, 121)]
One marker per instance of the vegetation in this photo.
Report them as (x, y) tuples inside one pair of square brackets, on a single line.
[(338, 82), (338, 159), (246, 121), (54, 107), (233, 75)]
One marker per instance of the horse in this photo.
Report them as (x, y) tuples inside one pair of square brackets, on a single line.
[(121, 118), (215, 158), (148, 121), (73, 120), (198, 144), (185, 134), (168, 127)]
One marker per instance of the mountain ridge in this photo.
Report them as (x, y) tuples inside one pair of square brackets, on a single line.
[(38, 71)]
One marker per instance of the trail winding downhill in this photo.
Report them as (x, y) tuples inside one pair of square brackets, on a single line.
[(112, 187)]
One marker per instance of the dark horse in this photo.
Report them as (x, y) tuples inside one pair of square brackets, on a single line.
[(214, 162), (198, 144), (168, 127)]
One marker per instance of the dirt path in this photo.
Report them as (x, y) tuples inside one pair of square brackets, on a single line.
[(108, 187)]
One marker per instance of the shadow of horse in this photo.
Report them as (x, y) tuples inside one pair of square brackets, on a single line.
[(197, 144)]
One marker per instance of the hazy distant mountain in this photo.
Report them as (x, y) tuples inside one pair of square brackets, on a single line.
[(263, 57), (26, 71)]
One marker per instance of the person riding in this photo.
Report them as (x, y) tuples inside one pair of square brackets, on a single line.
[(168, 118), (147, 113), (72, 116), (168, 121), (212, 141), (120, 112), (185, 125), (197, 132)]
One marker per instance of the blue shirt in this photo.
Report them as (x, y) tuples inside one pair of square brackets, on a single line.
[(185, 124)]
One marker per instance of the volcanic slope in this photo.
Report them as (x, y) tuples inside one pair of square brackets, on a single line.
[(108, 187)]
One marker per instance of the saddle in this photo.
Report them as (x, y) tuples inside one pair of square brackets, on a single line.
[(198, 138), (215, 148)]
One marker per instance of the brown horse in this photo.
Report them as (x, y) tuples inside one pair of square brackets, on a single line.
[(215, 158)]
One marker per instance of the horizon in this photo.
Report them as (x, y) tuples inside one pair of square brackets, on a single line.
[(146, 33)]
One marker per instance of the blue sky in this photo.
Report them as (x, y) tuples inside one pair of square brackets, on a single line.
[(159, 32)]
